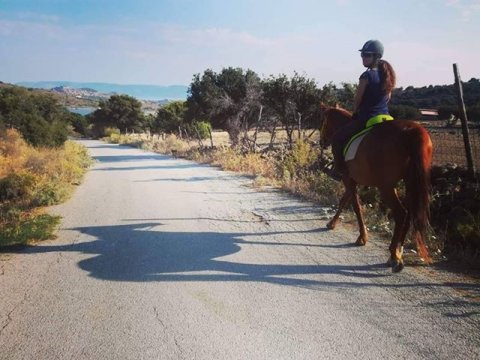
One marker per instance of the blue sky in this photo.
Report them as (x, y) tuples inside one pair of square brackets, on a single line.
[(165, 42)]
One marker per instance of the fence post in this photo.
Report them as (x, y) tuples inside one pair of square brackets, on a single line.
[(463, 118)]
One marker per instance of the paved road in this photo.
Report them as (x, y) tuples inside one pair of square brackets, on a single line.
[(160, 258)]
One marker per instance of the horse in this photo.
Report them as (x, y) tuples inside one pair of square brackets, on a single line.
[(391, 151)]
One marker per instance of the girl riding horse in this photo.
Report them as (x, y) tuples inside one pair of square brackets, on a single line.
[(371, 99), (391, 151)]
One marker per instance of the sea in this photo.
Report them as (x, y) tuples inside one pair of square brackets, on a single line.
[(141, 92), (81, 110)]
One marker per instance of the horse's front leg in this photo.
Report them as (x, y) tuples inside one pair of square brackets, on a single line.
[(341, 205), (349, 186), (363, 237)]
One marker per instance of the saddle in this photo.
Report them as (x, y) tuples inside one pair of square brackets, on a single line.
[(350, 150)]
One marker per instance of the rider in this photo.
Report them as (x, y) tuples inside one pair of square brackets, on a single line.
[(371, 99)]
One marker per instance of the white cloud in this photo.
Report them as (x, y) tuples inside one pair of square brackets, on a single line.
[(466, 8)]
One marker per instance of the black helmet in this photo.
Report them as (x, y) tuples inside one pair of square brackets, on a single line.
[(373, 47)]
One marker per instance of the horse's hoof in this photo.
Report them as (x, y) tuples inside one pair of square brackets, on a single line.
[(331, 225), (389, 262), (398, 266), (361, 242)]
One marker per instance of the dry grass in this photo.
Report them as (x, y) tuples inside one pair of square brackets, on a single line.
[(31, 178)]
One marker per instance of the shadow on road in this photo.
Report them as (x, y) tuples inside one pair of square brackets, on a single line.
[(142, 252)]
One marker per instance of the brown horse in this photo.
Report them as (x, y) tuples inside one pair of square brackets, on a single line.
[(390, 152)]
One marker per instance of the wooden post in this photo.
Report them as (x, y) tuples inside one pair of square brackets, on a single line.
[(463, 118), (211, 137)]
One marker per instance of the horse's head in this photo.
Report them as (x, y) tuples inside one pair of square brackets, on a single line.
[(332, 119)]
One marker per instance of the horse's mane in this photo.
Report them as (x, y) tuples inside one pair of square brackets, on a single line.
[(336, 112), (340, 111)]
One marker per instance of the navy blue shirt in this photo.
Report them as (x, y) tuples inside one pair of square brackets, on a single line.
[(374, 101)]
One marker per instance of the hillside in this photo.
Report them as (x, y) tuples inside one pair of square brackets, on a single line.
[(143, 92), (435, 96), (63, 98)]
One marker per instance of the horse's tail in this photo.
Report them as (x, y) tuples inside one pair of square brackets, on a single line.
[(417, 183)]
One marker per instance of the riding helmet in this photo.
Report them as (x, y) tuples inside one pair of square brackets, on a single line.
[(373, 47)]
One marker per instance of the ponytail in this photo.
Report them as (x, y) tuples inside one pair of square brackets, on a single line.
[(387, 76)]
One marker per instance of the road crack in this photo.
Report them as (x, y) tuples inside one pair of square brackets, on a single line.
[(9, 315), (165, 328)]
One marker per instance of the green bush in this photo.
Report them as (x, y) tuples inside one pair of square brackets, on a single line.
[(17, 187), (33, 177), (298, 160), (29, 228), (404, 112), (37, 116), (50, 193), (200, 128), (108, 131)]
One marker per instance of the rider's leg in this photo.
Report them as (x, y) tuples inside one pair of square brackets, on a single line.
[(340, 139)]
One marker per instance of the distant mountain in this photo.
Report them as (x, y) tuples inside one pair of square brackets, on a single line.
[(145, 92)]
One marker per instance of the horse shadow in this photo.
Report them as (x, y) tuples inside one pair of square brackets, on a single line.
[(144, 252)]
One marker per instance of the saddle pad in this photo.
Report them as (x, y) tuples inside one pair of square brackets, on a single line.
[(351, 151)]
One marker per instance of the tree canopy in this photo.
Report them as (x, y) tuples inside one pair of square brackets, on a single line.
[(37, 116), (121, 111)]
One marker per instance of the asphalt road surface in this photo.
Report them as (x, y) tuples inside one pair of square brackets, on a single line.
[(162, 258)]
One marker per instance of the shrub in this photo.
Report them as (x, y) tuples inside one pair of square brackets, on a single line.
[(28, 228), (37, 116), (201, 128), (298, 160), (109, 131), (31, 177), (17, 187)]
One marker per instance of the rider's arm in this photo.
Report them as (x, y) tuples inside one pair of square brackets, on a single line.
[(362, 85)]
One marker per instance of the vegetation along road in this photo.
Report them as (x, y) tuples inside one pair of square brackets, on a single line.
[(161, 258)]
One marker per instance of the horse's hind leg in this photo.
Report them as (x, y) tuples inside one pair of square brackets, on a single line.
[(400, 217)]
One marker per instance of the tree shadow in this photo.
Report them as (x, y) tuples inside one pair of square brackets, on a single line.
[(459, 308), (123, 158), (106, 146), (154, 167), (186, 179)]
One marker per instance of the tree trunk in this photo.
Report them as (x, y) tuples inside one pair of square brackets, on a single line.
[(200, 142), (233, 130), (289, 131), (211, 137), (299, 125), (274, 133), (256, 129)]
